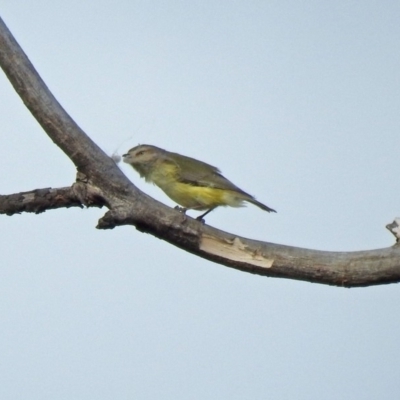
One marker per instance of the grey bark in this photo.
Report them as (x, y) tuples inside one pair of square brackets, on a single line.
[(100, 182)]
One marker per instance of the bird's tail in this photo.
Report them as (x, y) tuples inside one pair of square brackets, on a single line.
[(261, 205)]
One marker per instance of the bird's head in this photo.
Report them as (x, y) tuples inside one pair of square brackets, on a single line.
[(143, 158)]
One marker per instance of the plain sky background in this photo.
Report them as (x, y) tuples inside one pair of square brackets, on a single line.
[(297, 103)]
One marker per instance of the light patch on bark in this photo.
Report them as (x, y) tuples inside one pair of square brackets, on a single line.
[(234, 250)]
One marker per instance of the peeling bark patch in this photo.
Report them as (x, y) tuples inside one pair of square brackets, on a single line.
[(234, 250)]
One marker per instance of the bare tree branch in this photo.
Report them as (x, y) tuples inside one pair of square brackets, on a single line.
[(100, 182), (40, 200)]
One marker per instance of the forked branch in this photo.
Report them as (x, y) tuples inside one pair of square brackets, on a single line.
[(101, 182)]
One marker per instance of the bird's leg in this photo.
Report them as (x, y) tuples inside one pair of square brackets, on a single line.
[(201, 217)]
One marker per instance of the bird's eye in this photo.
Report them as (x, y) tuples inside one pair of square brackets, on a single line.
[(139, 153)]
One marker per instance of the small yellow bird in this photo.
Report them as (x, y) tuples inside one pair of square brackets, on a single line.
[(189, 182)]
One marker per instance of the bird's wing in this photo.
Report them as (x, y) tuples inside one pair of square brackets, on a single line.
[(199, 173)]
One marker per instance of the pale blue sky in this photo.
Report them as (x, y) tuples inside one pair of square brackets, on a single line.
[(298, 104)]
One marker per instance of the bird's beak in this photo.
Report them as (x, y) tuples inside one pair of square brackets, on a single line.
[(125, 158)]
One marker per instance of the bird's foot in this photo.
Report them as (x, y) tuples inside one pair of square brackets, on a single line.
[(180, 209), (200, 219)]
